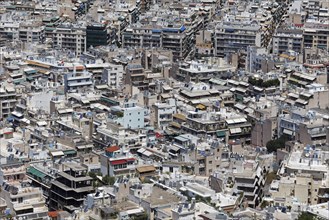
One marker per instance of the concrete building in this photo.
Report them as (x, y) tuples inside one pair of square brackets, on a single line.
[(69, 189), (113, 75), (77, 81), (250, 181), (8, 99), (177, 39), (71, 38), (294, 190), (262, 132), (316, 35), (99, 34), (232, 37), (22, 200), (117, 161), (286, 40), (313, 132), (163, 113), (31, 32), (129, 115)]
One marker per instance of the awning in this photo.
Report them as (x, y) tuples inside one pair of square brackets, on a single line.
[(221, 134), (35, 172), (23, 207), (17, 114), (122, 161), (41, 123), (174, 148), (235, 130), (179, 116), (25, 120), (201, 107), (175, 124), (147, 153), (301, 101), (57, 153), (240, 106), (146, 169), (288, 132), (236, 120), (69, 152), (140, 150), (166, 95)]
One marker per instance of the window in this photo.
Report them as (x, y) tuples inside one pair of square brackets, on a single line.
[(20, 200)]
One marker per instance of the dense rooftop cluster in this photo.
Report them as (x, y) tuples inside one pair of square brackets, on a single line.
[(140, 109)]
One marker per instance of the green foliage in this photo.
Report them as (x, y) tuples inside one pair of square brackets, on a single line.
[(263, 84), (144, 216), (119, 114), (305, 216), (108, 180), (274, 145), (270, 177), (264, 204), (92, 175)]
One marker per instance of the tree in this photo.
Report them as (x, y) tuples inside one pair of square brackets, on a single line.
[(306, 216), (274, 145), (143, 216), (108, 180), (92, 175)]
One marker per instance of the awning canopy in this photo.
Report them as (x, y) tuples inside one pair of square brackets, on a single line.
[(146, 169), (41, 123), (35, 172), (235, 130), (288, 132), (221, 134), (69, 152), (57, 153), (17, 114)]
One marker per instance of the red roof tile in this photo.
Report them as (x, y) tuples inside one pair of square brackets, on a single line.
[(122, 161), (112, 149)]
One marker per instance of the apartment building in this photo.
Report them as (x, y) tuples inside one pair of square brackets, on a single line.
[(287, 39), (239, 129), (23, 200), (117, 161), (295, 190), (113, 75), (135, 75), (230, 37), (71, 38), (69, 189), (313, 132), (9, 30), (262, 132), (31, 32), (316, 35), (8, 100), (308, 160), (195, 71), (77, 81), (129, 115), (250, 180), (176, 38), (99, 34), (163, 113)]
